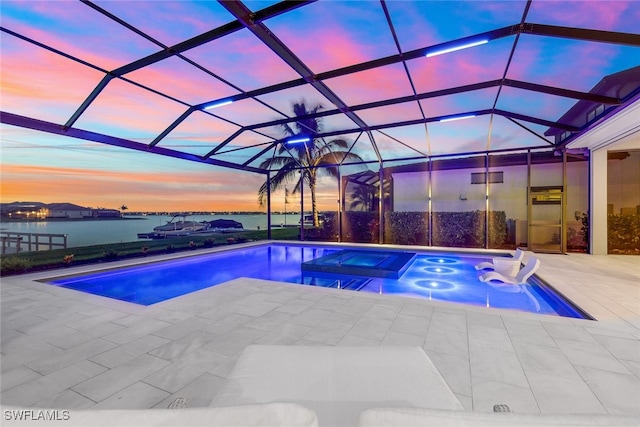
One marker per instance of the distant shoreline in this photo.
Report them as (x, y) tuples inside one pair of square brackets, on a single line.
[(115, 218)]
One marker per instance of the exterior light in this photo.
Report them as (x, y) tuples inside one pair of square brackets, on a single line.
[(450, 119), (298, 140), (454, 48), (218, 104)]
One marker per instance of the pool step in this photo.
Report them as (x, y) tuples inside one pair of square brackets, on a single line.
[(351, 285)]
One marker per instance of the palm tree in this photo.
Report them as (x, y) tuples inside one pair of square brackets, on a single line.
[(310, 156), (363, 197)]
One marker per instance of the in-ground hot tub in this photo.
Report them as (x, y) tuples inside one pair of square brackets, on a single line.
[(387, 264)]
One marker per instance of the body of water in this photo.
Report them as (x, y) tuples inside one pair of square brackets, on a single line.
[(95, 232)]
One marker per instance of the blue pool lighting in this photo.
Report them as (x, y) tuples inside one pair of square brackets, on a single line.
[(417, 275), (441, 260), (439, 270)]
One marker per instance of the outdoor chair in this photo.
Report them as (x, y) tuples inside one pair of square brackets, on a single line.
[(522, 276), (518, 256)]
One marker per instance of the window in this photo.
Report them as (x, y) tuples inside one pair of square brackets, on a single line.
[(595, 113), (481, 178)]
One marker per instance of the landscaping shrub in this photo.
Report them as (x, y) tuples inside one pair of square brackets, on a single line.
[(327, 232), (460, 229), (361, 227), (497, 228), (466, 229), (624, 234), (14, 265), (578, 240), (110, 255), (406, 228)]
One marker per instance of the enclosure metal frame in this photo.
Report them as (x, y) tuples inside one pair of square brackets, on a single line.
[(254, 21)]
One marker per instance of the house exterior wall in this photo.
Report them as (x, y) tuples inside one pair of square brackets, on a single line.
[(452, 191), (70, 213), (619, 132), (411, 192), (410, 189), (623, 194), (598, 202)]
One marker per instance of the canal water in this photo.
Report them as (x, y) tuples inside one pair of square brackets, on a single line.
[(95, 232)]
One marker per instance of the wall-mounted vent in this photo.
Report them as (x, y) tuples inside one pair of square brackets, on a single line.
[(481, 177)]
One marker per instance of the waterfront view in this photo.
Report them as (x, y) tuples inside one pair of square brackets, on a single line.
[(94, 232)]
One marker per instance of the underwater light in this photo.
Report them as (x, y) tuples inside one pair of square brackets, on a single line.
[(434, 284), (454, 48)]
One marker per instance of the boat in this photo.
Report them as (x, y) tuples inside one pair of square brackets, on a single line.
[(179, 226), (308, 220), (176, 227), (225, 226)]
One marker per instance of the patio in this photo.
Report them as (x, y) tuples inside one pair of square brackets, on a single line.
[(69, 350)]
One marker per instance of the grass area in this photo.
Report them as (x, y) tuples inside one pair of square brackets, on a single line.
[(26, 262)]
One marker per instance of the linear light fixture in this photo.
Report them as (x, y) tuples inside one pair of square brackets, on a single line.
[(298, 140), (454, 48), (451, 119), (218, 104)]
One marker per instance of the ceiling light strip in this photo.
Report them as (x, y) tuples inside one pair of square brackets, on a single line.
[(455, 48), (451, 119), (218, 104), (298, 140)]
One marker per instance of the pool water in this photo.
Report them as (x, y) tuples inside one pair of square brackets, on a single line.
[(433, 276), (359, 262)]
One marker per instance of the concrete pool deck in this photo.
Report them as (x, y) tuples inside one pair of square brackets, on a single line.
[(66, 349)]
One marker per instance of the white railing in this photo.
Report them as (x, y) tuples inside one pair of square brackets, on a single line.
[(26, 242)]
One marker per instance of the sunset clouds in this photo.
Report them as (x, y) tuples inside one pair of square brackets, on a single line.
[(324, 35), (197, 189)]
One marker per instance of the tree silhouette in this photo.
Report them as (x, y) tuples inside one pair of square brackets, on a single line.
[(363, 197), (310, 156)]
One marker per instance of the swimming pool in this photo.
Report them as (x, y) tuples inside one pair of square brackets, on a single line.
[(434, 276)]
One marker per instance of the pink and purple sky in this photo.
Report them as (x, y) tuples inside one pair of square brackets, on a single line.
[(325, 35)]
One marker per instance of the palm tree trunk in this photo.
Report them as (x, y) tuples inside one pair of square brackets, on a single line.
[(312, 186), (314, 208)]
